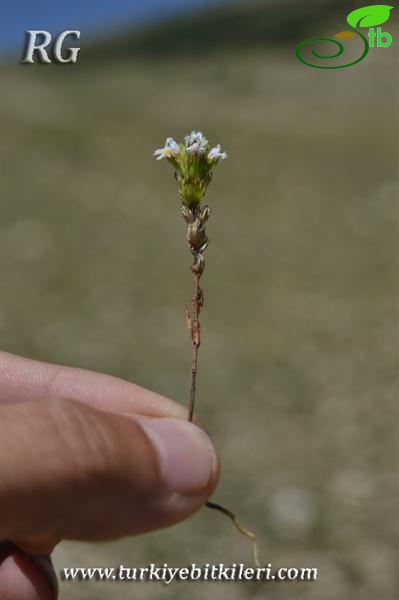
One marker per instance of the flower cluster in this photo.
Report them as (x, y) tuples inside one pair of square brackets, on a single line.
[(193, 161)]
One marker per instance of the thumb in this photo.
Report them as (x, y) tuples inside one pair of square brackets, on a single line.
[(71, 471)]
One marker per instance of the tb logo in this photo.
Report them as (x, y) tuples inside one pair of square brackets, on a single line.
[(37, 43), (368, 16)]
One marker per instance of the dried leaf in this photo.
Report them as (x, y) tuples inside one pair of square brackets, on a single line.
[(188, 318)]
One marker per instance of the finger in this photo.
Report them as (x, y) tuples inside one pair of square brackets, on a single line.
[(22, 379), (26, 578), (41, 545), (25, 379), (72, 471)]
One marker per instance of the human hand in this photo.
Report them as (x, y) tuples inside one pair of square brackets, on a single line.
[(86, 456)]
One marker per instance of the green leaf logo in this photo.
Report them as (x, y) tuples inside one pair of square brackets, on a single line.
[(369, 16)]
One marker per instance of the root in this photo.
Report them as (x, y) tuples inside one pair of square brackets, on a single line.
[(249, 534)]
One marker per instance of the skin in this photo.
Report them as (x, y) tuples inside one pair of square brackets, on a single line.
[(72, 452)]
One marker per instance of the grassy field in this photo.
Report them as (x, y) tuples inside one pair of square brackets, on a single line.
[(297, 369)]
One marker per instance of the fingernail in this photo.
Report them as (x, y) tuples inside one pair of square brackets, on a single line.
[(186, 456), (45, 564)]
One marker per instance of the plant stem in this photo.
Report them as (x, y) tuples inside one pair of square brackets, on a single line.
[(196, 341), (196, 218)]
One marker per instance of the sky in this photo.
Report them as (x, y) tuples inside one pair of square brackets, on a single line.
[(88, 16)]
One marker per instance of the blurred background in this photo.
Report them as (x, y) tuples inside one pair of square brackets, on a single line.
[(297, 368)]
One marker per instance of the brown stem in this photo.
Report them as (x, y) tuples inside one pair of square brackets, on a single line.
[(196, 341), (196, 218)]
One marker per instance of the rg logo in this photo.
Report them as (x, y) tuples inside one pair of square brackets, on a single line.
[(38, 41)]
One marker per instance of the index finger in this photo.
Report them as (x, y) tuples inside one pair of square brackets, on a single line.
[(23, 379)]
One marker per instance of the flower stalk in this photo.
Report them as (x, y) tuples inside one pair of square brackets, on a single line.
[(197, 240)]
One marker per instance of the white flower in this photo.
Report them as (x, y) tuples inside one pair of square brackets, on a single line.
[(196, 143), (195, 137), (170, 150), (215, 154)]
